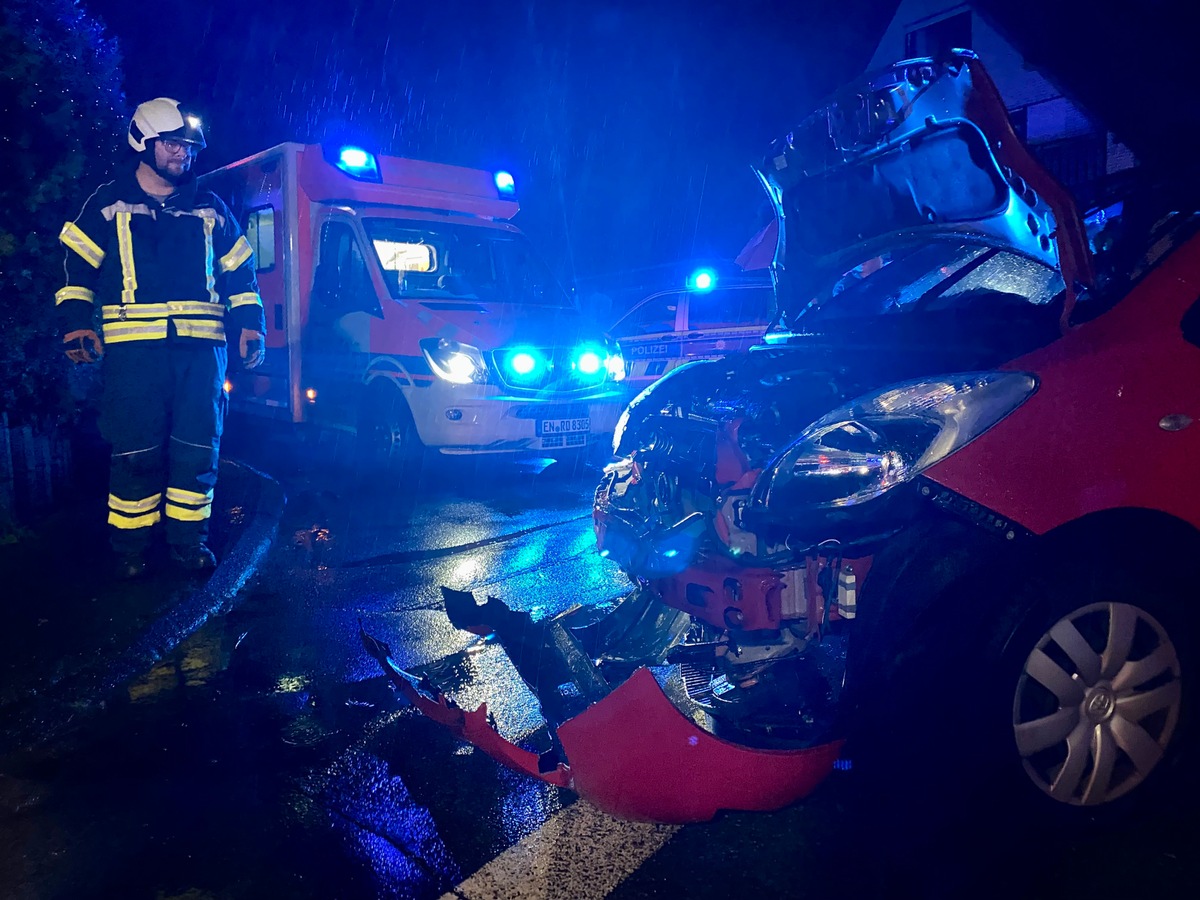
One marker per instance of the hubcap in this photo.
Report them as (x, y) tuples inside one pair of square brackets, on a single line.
[(1097, 703)]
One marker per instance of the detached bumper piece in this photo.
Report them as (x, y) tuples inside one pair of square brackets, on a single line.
[(630, 751)]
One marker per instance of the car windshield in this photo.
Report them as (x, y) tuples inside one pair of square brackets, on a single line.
[(934, 277), (443, 261)]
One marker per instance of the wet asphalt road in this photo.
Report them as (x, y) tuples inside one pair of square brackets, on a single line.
[(269, 758)]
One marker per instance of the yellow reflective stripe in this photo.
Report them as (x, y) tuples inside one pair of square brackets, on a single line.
[(200, 328), (125, 246), (72, 235), (189, 506), (134, 506), (247, 299), (179, 495), (117, 332), (159, 310), (187, 514), (239, 254), (210, 280), (71, 292), (129, 523), (141, 209)]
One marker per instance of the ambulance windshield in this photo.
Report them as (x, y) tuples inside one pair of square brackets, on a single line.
[(436, 260)]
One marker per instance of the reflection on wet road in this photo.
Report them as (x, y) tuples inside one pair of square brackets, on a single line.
[(267, 756)]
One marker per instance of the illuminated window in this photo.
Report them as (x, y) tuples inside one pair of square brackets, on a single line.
[(400, 256), (260, 232)]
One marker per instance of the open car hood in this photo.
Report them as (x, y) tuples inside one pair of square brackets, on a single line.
[(921, 151)]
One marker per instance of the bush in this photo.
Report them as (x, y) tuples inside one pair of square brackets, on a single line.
[(62, 110)]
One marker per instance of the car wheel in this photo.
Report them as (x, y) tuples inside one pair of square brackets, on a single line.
[(387, 436), (1063, 694), (1097, 698)]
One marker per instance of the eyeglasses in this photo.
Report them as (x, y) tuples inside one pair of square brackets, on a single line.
[(175, 147)]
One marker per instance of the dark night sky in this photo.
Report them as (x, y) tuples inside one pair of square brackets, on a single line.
[(630, 127)]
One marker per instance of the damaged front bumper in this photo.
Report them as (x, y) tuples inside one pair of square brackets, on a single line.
[(628, 749)]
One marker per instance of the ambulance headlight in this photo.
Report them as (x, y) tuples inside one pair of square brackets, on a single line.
[(614, 364), (453, 361)]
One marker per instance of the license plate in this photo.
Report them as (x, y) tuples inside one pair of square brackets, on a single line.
[(563, 426)]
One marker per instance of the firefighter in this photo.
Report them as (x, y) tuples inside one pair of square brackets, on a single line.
[(166, 271)]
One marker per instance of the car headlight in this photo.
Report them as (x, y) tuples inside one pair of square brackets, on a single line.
[(883, 439), (453, 361), (614, 363)]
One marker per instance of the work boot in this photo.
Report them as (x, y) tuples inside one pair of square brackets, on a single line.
[(196, 558), (127, 566)]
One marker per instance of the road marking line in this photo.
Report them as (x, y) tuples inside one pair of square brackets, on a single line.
[(579, 853)]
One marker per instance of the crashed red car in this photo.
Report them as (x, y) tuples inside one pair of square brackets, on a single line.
[(964, 461)]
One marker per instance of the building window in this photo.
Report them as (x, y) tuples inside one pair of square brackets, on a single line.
[(1078, 163), (938, 38), (1020, 121), (260, 232)]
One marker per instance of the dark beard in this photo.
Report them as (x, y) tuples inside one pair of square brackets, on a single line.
[(170, 177), (166, 175)]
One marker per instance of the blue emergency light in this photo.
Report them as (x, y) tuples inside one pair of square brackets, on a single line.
[(702, 280), (505, 183), (358, 163), (589, 360), (524, 363)]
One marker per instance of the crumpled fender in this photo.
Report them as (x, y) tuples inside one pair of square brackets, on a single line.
[(634, 755), (471, 726)]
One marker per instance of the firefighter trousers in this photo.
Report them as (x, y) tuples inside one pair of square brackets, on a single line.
[(162, 410)]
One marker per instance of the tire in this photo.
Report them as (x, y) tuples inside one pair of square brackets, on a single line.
[(1065, 700), (1097, 679), (387, 438)]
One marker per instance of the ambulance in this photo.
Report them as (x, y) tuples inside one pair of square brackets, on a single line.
[(404, 306)]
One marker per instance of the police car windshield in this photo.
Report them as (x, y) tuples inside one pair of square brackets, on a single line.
[(443, 261)]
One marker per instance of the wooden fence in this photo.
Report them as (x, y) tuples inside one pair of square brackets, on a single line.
[(35, 464)]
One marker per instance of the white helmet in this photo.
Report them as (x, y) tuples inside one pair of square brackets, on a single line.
[(162, 117)]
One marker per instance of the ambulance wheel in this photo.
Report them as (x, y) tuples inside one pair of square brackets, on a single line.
[(387, 435)]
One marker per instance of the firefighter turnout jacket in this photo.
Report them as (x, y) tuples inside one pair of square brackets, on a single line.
[(180, 268), (169, 280)]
